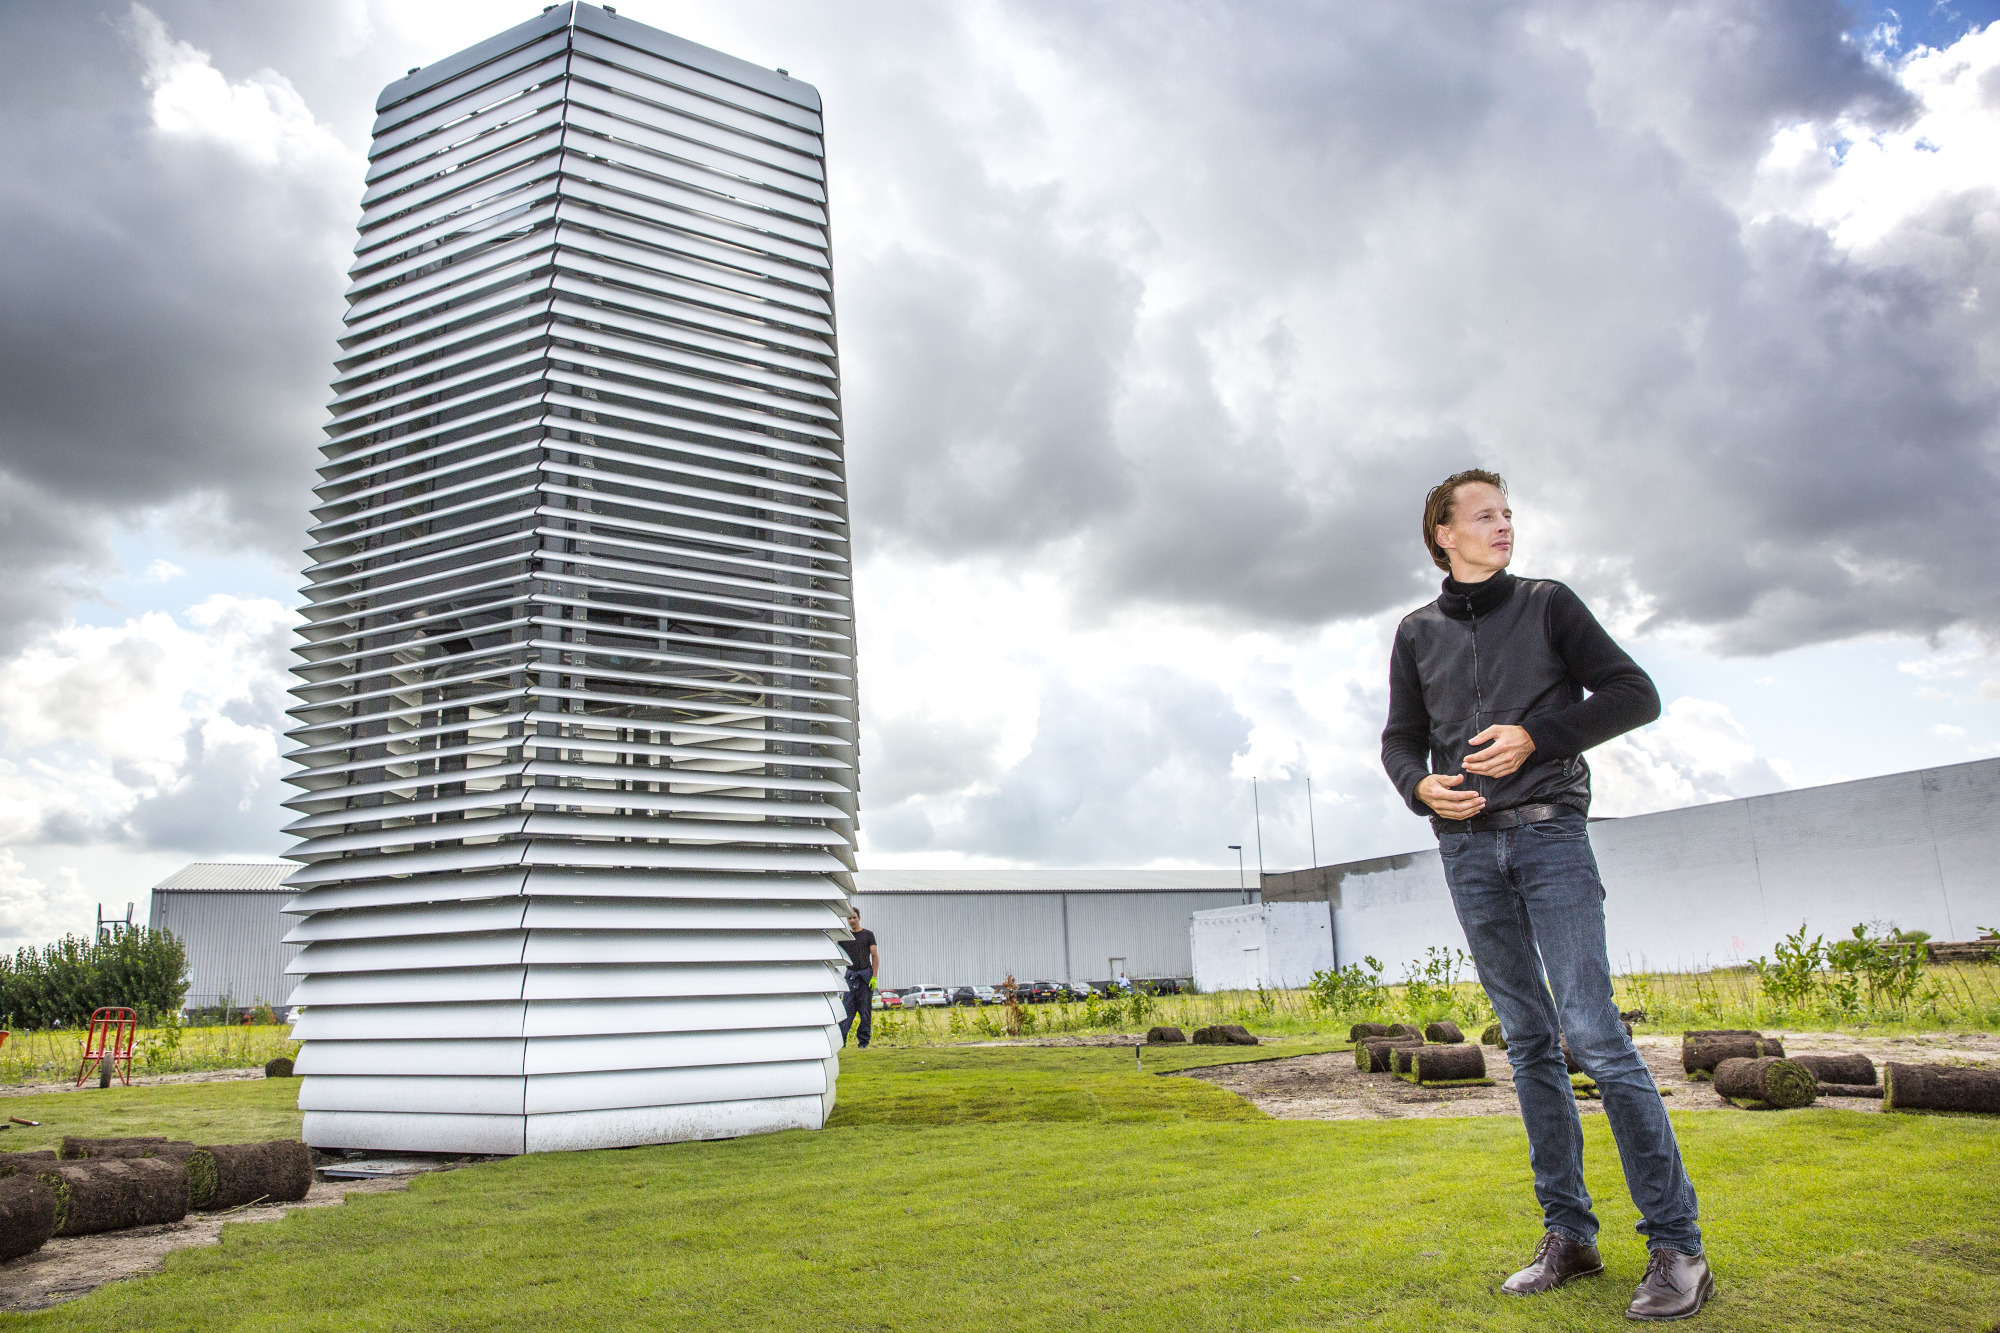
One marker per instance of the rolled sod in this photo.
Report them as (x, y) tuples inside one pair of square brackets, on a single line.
[(278, 1068), (1493, 1037), (1405, 1030), (1447, 1062), (1839, 1068), (1224, 1034), (1693, 1033), (1376, 1055), (27, 1215), (1776, 1082), (1872, 1091), (1585, 1088), (1940, 1088), (1444, 1032), (12, 1163), (199, 1164), (1363, 1031), (116, 1193), (75, 1149), (1155, 1036), (1700, 1055), (278, 1171)]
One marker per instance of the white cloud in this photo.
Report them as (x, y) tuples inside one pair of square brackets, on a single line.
[(1948, 732), (162, 571), (1696, 753), (154, 733), (1861, 184), (32, 912), (262, 118)]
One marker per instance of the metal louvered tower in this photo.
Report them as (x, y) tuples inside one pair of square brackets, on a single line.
[(577, 721)]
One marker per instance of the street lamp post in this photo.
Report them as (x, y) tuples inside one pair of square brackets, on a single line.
[(1241, 887)]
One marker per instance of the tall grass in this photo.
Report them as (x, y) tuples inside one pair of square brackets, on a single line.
[(1271, 1012), (53, 1055), (1949, 995), (1962, 996)]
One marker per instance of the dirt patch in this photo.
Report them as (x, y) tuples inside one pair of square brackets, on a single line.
[(1329, 1087), (144, 1081), (72, 1266)]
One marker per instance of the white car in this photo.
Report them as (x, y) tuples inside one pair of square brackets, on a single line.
[(988, 994), (926, 997)]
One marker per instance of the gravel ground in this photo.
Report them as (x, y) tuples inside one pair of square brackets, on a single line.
[(1329, 1087)]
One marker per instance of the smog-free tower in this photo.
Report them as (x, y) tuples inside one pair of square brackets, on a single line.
[(576, 724)]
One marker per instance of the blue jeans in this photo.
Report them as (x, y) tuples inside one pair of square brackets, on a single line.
[(860, 1004), (1531, 904)]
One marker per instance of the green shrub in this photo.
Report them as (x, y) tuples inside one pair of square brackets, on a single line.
[(1347, 990), (60, 984)]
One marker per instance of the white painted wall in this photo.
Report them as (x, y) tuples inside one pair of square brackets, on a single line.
[(1272, 945), (1718, 884), (1228, 948)]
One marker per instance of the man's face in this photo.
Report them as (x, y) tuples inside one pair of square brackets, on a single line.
[(1480, 536), (854, 922)]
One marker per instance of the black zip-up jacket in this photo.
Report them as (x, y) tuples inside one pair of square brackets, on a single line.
[(1508, 650)]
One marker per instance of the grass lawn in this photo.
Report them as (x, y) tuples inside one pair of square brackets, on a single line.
[(240, 1111), (1030, 1189)]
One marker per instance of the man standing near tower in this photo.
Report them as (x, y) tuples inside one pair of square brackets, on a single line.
[(864, 959), (1488, 722)]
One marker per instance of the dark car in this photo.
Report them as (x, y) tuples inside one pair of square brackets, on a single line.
[(1042, 992), (1159, 986), (964, 995)]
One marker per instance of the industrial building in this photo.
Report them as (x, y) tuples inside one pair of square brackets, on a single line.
[(229, 918), (978, 927), (1713, 885), (576, 710)]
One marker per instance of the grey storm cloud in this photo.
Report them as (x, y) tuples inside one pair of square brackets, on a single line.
[(1198, 326), (166, 316), (1145, 764), (1390, 243)]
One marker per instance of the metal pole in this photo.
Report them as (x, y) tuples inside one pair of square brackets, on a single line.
[(1241, 887), (1310, 829), (1257, 813)]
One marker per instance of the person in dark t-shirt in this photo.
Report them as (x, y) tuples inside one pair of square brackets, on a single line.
[(862, 960)]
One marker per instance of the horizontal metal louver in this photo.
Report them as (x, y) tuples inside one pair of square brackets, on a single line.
[(576, 718)]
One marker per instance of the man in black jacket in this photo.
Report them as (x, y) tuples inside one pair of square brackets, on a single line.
[(1488, 722)]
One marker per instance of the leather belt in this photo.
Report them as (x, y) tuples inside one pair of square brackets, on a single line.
[(1492, 820)]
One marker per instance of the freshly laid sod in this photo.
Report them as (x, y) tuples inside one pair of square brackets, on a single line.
[(1009, 1189), (937, 1085), (239, 1111)]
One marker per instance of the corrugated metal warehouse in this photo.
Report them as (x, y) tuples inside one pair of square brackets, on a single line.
[(936, 927), (975, 927), (228, 915)]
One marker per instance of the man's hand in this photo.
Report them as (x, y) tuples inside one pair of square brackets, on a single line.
[(1510, 749), (1436, 792)]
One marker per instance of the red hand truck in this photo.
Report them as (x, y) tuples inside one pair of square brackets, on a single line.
[(111, 1033)]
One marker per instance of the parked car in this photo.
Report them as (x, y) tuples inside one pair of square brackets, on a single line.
[(989, 995), (1159, 986), (926, 997), (964, 995), (888, 999), (1042, 992)]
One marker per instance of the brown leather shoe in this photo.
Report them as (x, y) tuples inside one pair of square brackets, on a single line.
[(1557, 1260), (1676, 1286)]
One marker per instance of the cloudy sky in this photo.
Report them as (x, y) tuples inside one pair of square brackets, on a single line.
[(1158, 318)]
